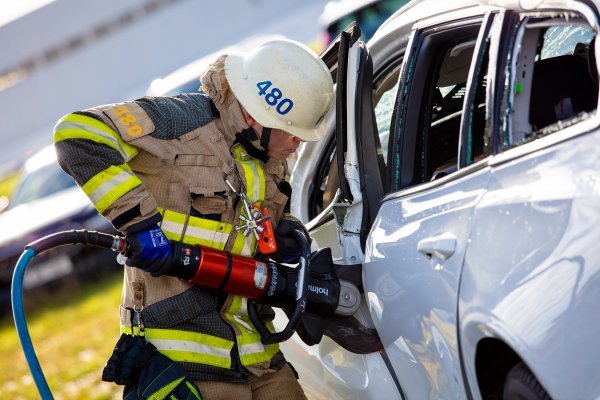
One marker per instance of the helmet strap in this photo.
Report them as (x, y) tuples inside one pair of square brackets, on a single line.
[(265, 138), (245, 138)]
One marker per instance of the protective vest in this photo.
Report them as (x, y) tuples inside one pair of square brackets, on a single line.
[(170, 159)]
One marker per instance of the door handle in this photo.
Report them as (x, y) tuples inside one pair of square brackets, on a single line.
[(440, 246)]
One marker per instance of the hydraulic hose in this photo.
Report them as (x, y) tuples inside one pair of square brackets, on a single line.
[(266, 337), (21, 324), (98, 239)]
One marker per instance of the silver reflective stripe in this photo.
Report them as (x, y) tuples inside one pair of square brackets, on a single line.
[(189, 347), (251, 348), (249, 246), (115, 181), (200, 233), (116, 145), (254, 191)]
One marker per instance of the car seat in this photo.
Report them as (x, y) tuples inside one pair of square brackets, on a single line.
[(562, 87)]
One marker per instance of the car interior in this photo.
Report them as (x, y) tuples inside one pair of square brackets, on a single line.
[(562, 82), (445, 58), (327, 180)]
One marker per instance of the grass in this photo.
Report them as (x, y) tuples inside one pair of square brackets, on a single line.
[(8, 183), (73, 334)]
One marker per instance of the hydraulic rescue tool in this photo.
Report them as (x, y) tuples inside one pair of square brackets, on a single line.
[(311, 294)]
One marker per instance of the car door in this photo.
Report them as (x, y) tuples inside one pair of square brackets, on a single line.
[(437, 175), (530, 281), (364, 105)]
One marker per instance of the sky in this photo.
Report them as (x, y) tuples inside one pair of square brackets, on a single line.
[(65, 60)]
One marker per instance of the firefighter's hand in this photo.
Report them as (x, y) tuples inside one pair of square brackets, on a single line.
[(288, 248), (150, 250)]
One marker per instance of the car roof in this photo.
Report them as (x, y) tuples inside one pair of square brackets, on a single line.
[(43, 157), (417, 10)]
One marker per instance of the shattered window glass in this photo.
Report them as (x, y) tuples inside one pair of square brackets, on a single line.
[(565, 40), (383, 116)]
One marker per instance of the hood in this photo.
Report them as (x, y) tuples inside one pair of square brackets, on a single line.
[(36, 216), (215, 85)]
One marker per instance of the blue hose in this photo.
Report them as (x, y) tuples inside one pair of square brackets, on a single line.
[(21, 324)]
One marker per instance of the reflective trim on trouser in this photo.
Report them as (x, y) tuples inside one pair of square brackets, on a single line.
[(250, 348), (185, 346)]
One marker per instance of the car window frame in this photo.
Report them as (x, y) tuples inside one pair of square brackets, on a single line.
[(510, 31), (400, 145)]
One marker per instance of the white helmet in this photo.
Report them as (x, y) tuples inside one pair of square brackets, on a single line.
[(283, 85)]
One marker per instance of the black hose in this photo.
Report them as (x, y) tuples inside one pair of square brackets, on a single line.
[(80, 236), (294, 317)]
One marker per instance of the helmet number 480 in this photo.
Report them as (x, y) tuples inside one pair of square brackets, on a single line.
[(274, 96)]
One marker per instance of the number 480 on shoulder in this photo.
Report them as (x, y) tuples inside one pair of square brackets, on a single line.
[(274, 97)]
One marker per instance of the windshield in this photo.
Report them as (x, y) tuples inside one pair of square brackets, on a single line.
[(41, 183)]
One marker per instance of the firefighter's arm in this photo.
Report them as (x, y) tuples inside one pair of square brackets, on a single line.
[(95, 151)]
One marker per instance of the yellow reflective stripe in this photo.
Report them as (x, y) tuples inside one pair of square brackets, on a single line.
[(162, 393), (107, 186), (234, 314), (255, 190), (255, 180), (259, 357), (244, 245), (196, 226), (74, 126), (207, 359), (185, 346), (250, 349), (201, 231)]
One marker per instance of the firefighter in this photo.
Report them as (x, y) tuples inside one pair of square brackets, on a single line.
[(168, 168)]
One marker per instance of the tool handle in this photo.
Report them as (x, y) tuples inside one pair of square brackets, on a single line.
[(266, 239), (268, 337)]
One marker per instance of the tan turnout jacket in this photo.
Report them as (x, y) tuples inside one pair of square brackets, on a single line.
[(166, 160)]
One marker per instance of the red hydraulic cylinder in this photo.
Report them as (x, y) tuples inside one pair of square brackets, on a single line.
[(233, 274)]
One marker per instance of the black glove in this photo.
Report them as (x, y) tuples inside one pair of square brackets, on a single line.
[(288, 249), (145, 372), (150, 250), (129, 355)]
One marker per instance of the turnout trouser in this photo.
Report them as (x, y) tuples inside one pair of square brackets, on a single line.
[(270, 386)]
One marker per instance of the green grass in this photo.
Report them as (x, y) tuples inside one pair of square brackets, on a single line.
[(8, 183), (73, 335)]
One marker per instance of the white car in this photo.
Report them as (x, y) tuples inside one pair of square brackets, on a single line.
[(46, 200), (461, 181)]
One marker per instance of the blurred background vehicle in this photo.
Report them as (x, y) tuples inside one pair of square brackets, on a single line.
[(46, 200), (368, 15)]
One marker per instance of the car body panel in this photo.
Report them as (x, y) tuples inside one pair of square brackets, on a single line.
[(328, 371), (423, 279), (539, 293)]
